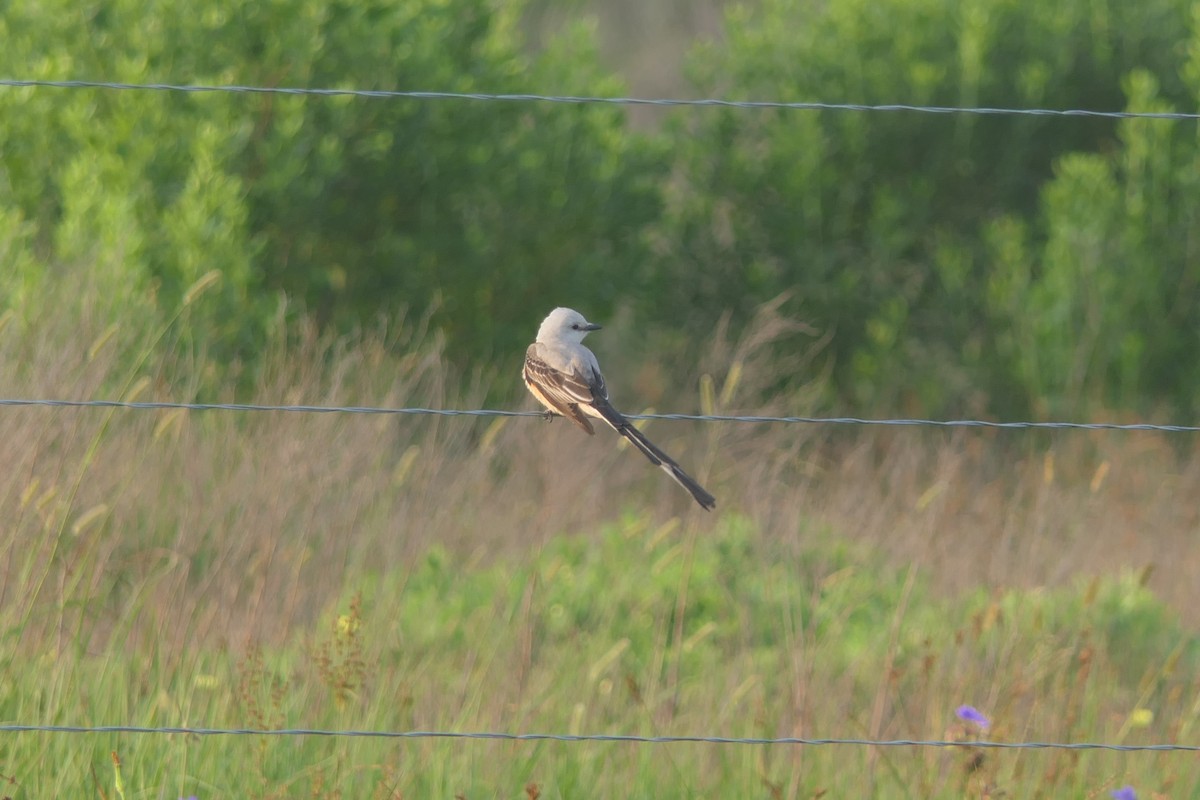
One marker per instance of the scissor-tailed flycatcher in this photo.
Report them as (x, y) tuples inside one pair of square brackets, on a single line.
[(565, 377)]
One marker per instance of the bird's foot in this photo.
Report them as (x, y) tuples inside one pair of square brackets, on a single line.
[(549, 415)]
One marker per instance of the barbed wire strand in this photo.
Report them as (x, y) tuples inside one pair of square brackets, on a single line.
[(570, 99), (594, 737), (584, 99), (491, 412)]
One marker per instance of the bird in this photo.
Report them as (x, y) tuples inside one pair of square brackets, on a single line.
[(565, 377)]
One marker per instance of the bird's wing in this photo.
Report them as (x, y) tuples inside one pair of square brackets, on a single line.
[(561, 392), (569, 392)]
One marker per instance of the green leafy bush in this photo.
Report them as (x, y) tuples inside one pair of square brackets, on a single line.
[(1115, 266), (875, 221), (962, 263), (481, 215)]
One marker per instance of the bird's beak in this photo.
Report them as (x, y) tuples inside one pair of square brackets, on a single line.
[(591, 326)]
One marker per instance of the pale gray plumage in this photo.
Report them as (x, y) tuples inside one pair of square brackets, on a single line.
[(565, 378)]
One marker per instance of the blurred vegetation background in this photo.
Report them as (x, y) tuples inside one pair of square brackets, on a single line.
[(995, 265), (380, 572)]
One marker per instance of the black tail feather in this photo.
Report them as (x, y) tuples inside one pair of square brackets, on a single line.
[(656, 456)]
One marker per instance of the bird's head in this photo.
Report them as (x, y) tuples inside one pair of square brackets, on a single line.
[(565, 325)]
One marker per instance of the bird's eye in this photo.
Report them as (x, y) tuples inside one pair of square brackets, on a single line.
[(576, 326)]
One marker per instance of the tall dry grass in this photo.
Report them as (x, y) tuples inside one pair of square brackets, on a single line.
[(220, 528)]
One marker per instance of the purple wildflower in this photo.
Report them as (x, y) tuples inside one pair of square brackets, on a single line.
[(972, 714), (1124, 793)]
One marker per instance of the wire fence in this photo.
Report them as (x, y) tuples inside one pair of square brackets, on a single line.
[(706, 102), (334, 409), (562, 737), (573, 99), (597, 737), (492, 412)]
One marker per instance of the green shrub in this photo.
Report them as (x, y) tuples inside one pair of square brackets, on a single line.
[(1115, 265), (479, 215), (875, 221)]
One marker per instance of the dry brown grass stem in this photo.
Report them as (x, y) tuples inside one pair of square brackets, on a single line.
[(225, 527)]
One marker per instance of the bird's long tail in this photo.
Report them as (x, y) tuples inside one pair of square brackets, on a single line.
[(656, 456)]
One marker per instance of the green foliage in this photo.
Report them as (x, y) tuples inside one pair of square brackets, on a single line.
[(582, 636), (878, 222), (128, 191), (1118, 266), (478, 214), (483, 213), (640, 572), (1121, 613), (962, 263)]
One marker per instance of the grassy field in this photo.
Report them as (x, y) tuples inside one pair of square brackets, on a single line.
[(271, 570)]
